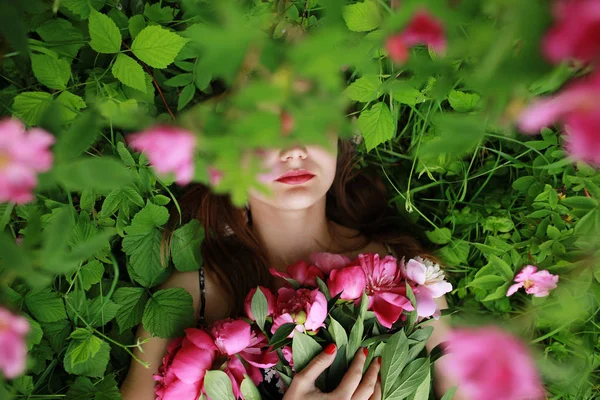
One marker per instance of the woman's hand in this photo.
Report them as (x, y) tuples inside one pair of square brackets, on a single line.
[(354, 386)]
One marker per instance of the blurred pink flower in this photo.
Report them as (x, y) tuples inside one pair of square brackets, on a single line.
[(577, 106), (170, 150), (304, 307), (537, 283), (13, 346), (349, 281), (491, 364), (270, 302), (302, 272), (22, 156), (431, 284), (422, 29), (327, 262), (385, 288), (215, 176), (576, 34)]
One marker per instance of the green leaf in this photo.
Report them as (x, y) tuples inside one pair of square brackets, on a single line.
[(65, 39), (157, 46), (70, 105), (410, 379), (362, 17), (125, 155), (179, 80), (100, 311), (455, 253), (458, 134), (23, 384), (450, 393), (356, 333), (580, 202), (82, 7), (338, 333), (129, 72), (364, 89), (136, 24), (259, 307), (93, 367), (487, 282), (523, 183), (91, 273), (304, 349), (218, 385), (404, 92), (118, 197), (168, 312), (502, 268), (31, 106), (101, 174), (159, 14), (51, 71), (83, 346), (393, 360), (104, 34), (185, 246), (45, 305), (82, 133), (376, 125), (424, 388), (249, 390), (439, 235), (132, 301), (186, 95), (463, 102)]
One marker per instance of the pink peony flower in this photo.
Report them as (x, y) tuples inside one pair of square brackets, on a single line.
[(430, 282), (578, 108), (385, 288), (349, 281), (287, 354), (169, 149), (181, 375), (304, 307), (301, 272), (270, 302), (327, 262), (13, 346), (576, 34), (537, 283), (422, 29), (490, 364), (22, 155)]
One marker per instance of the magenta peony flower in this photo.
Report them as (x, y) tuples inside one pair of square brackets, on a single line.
[(13, 346), (181, 375), (301, 272), (430, 282), (327, 262), (578, 108), (304, 307), (349, 281), (537, 283), (422, 29), (385, 288), (270, 302), (576, 34), (169, 149), (22, 156), (490, 364)]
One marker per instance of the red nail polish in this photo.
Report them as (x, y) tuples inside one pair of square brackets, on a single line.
[(365, 351), (330, 349), (379, 360), (378, 378)]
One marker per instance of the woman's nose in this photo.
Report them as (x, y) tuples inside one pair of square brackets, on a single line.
[(292, 153)]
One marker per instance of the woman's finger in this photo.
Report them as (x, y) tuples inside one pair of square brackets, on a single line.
[(377, 393), (318, 364), (365, 390), (353, 376)]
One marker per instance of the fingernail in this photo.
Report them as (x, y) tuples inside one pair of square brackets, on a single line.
[(365, 351), (330, 349), (378, 378), (379, 360)]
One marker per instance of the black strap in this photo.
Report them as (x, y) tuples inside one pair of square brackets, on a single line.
[(201, 318)]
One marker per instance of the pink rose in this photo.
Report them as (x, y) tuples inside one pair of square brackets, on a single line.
[(302, 272), (490, 364), (22, 156), (349, 281), (270, 302), (576, 33), (430, 284), (385, 288), (169, 149), (327, 262), (13, 343), (422, 29), (577, 107), (303, 307), (537, 283)]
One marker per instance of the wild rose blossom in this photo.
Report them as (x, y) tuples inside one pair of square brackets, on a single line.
[(270, 302), (23, 154), (13, 346), (349, 281), (302, 272), (576, 34), (422, 29), (304, 307), (431, 284), (490, 364), (170, 150), (385, 288), (537, 283), (578, 108)]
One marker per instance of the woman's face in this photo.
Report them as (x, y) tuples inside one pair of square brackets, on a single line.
[(297, 176)]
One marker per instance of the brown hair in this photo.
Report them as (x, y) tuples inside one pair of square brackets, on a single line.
[(231, 250)]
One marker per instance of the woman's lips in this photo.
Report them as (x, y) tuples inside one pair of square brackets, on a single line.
[(296, 180)]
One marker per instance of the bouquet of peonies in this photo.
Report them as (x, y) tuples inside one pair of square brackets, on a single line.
[(368, 302)]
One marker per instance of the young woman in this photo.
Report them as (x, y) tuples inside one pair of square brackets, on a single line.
[(318, 202)]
